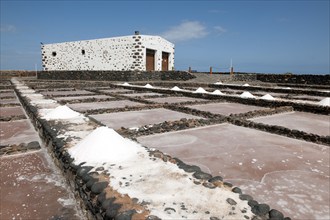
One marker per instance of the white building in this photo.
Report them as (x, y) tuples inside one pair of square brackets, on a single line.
[(127, 53)]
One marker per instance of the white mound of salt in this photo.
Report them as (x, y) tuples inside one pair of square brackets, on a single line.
[(324, 102), (218, 83), (175, 88), (217, 92), (61, 112), (267, 97), (148, 86), (200, 90), (246, 84), (104, 145), (247, 95), (126, 84)]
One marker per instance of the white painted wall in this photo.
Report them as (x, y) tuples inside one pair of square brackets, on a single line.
[(118, 53)]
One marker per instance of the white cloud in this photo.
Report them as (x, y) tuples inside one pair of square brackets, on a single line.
[(219, 30), (187, 30), (7, 28)]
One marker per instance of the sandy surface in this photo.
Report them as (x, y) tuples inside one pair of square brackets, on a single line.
[(308, 122), (288, 174), (133, 119), (226, 108)]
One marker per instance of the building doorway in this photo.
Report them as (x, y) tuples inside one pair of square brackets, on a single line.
[(150, 60), (165, 61)]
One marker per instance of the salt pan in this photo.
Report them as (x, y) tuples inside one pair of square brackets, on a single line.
[(104, 145)]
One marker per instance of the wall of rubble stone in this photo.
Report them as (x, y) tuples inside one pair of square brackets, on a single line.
[(117, 53), (125, 76)]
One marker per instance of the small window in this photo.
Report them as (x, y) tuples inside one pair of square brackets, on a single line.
[(54, 54), (83, 52)]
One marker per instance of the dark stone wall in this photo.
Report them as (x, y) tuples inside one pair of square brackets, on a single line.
[(296, 79), (114, 75)]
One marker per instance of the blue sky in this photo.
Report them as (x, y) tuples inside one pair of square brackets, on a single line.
[(259, 36)]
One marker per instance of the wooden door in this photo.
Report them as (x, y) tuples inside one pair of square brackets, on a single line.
[(165, 61), (150, 60)]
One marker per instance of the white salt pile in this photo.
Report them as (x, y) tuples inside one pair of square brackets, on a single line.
[(267, 97), (324, 102), (218, 83), (246, 84), (247, 95), (200, 90), (175, 88), (148, 86), (126, 84), (217, 92), (104, 145), (61, 112)]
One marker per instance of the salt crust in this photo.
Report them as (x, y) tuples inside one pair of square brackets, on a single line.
[(148, 86), (247, 95), (217, 92), (267, 97), (175, 88), (61, 112), (200, 90), (103, 145), (324, 102)]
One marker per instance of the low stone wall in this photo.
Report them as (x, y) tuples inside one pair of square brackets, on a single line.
[(296, 79), (7, 74), (125, 76), (279, 78)]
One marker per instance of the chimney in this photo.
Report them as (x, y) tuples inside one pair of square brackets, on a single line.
[(136, 32)]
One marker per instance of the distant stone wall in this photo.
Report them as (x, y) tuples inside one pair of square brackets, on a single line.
[(7, 74), (291, 78), (125, 76), (276, 78)]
